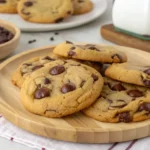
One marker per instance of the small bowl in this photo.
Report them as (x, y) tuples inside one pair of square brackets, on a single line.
[(8, 47)]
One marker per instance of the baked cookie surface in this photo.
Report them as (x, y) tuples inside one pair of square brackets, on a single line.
[(82, 6), (45, 11), (61, 88), (130, 73), (90, 52), (120, 102), (8, 6)]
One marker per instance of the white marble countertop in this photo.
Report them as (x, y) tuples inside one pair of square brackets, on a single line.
[(88, 33)]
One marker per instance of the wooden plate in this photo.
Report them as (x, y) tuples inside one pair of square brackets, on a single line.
[(74, 128)]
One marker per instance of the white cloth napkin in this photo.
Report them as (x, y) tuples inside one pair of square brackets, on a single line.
[(13, 133)]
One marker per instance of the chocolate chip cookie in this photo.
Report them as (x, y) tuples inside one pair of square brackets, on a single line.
[(82, 6), (120, 102), (90, 52), (29, 66), (45, 11), (8, 6), (130, 73), (61, 88)]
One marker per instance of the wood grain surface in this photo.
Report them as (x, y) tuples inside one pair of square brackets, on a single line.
[(109, 33), (73, 128)]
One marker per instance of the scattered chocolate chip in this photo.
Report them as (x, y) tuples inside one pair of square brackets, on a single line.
[(118, 87), (135, 93), (5, 35), (144, 106), (2, 1), (56, 33), (37, 67), (32, 41), (52, 39), (42, 93), (28, 4), (68, 87), (82, 83), (27, 64), (72, 48), (124, 117), (59, 20), (47, 81), (92, 47), (71, 53), (146, 82), (95, 77), (48, 58), (118, 56), (68, 42), (147, 71), (57, 70)]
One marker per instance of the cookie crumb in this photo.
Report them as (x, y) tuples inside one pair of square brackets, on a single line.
[(31, 41), (56, 33), (52, 39)]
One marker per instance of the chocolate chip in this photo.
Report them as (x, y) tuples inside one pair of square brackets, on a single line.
[(92, 47), (32, 41), (119, 106), (57, 70), (39, 86), (68, 42), (144, 106), (72, 48), (147, 71), (68, 87), (135, 93), (49, 58), (59, 20), (95, 77), (80, 1), (2, 1), (69, 12), (27, 64), (118, 56), (52, 39), (124, 117), (82, 83), (47, 81), (42, 93), (146, 82), (71, 53), (37, 67), (118, 87), (28, 4)]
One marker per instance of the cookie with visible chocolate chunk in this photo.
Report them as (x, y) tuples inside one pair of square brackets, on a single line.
[(82, 6), (61, 88), (91, 52), (8, 6), (29, 66), (45, 11), (130, 73), (121, 102)]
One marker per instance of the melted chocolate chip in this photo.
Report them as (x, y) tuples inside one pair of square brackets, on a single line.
[(147, 71), (42, 93), (82, 83), (135, 93), (92, 47), (95, 77), (118, 56), (57, 70), (68, 87), (2, 1), (72, 48), (124, 117), (146, 82), (47, 81), (28, 4), (48, 58), (144, 106), (69, 12), (68, 42), (118, 87), (71, 53), (37, 67), (59, 20)]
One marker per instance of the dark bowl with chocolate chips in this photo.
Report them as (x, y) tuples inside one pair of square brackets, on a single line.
[(9, 38)]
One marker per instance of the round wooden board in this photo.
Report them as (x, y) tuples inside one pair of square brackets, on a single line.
[(74, 128)]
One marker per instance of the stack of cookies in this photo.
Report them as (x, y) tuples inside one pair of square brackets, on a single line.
[(46, 11), (75, 78)]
